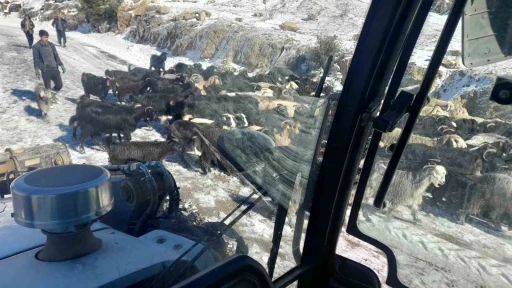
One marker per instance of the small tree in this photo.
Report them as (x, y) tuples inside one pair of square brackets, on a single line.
[(100, 9), (325, 47)]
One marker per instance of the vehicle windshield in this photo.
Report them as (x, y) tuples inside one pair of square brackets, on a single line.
[(231, 104), (448, 214)]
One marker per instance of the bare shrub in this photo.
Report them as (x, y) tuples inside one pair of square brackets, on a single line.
[(325, 47), (312, 16)]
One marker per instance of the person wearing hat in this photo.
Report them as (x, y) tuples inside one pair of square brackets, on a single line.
[(47, 62)]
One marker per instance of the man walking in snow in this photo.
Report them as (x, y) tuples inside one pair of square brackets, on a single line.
[(28, 28), (47, 62), (60, 25)]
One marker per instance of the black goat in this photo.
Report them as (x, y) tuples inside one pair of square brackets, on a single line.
[(120, 153), (143, 73), (95, 85), (83, 103), (192, 140), (123, 86), (117, 73), (162, 103), (172, 86), (157, 62), (94, 120)]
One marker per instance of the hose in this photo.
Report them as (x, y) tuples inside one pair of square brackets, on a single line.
[(153, 205)]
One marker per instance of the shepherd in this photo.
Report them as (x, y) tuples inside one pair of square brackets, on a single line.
[(27, 26), (47, 62), (60, 25)]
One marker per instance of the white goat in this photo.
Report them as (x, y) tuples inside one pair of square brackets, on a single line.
[(407, 188)]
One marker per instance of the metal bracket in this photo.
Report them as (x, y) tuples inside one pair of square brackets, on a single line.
[(387, 121)]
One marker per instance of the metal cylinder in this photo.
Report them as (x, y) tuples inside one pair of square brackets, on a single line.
[(39, 156), (57, 199), (24, 159)]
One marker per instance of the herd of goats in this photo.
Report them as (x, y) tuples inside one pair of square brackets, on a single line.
[(461, 160)]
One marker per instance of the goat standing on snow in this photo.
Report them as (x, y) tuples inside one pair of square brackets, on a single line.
[(157, 62), (43, 99), (493, 191), (120, 153), (407, 188)]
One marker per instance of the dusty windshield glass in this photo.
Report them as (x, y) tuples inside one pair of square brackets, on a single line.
[(448, 209), (224, 93)]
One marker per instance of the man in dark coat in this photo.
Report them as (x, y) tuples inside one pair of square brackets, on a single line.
[(60, 25), (27, 26), (47, 62)]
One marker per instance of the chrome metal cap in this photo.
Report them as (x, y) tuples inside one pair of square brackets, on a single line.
[(61, 197)]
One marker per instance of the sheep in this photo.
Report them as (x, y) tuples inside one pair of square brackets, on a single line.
[(452, 141), (120, 153), (201, 84), (493, 191), (123, 86), (109, 119), (219, 109), (407, 188), (94, 85), (157, 62), (43, 99)]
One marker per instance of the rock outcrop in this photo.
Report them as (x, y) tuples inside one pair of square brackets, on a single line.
[(230, 42)]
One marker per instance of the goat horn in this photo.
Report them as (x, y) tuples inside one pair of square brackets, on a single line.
[(490, 124), (441, 127), (448, 129), (429, 166), (487, 151)]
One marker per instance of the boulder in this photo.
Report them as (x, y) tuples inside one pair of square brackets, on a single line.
[(199, 15), (258, 14), (164, 10), (125, 7), (452, 63), (72, 24), (140, 11), (123, 20), (142, 8), (28, 11), (15, 7), (239, 19), (289, 26)]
